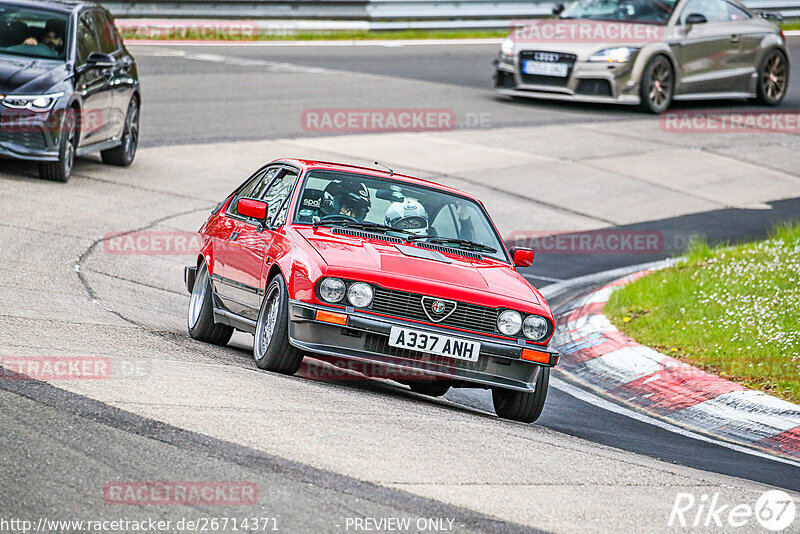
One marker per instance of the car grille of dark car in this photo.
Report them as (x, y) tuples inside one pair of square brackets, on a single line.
[(553, 81), (379, 344), (409, 306), (594, 87), (30, 140)]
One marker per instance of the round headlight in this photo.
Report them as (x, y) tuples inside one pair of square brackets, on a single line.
[(360, 295), (509, 322), (332, 289), (535, 327)]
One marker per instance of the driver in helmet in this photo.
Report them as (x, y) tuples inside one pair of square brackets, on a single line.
[(346, 198), (408, 215)]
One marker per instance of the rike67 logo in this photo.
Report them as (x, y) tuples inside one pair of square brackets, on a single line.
[(774, 510)]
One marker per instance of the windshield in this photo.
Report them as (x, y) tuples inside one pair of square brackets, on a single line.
[(648, 11), (31, 32), (413, 212)]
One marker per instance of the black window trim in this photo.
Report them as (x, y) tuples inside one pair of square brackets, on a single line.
[(281, 167)]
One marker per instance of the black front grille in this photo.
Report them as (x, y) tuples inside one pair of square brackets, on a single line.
[(553, 81), (380, 344), (409, 306), (594, 87), (30, 140)]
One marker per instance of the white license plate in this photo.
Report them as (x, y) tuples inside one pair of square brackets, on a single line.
[(454, 347), (543, 68)]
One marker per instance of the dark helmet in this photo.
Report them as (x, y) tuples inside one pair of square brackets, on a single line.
[(352, 195)]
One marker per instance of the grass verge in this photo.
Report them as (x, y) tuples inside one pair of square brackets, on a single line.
[(343, 35), (732, 311)]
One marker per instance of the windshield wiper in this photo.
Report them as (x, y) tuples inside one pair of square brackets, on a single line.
[(453, 241)]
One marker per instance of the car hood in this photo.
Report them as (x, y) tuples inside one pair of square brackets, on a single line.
[(20, 75), (486, 282)]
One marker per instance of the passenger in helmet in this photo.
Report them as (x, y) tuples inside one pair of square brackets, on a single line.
[(347, 198), (408, 215)]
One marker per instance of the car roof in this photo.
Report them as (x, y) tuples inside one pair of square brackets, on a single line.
[(377, 173), (64, 6)]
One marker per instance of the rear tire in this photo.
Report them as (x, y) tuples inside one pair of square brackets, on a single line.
[(200, 320), (773, 79), (123, 155), (657, 86), (271, 348), (59, 171), (432, 388), (522, 406)]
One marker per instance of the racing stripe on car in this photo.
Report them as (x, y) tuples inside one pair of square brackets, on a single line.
[(602, 356)]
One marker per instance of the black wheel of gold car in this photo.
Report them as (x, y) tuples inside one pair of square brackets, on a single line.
[(773, 78), (271, 348), (523, 406), (657, 86)]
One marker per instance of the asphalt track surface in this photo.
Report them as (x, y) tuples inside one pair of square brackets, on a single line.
[(210, 94)]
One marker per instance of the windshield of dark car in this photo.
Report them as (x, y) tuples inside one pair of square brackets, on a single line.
[(425, 213), (652, 11), (32, 32)]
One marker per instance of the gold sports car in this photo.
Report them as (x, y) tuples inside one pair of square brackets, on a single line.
[(647, 53)]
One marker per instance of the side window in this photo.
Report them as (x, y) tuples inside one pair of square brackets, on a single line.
[(712, 10), (250, 189), (87, 38), (107, 33), (277, 195), (736, 13)]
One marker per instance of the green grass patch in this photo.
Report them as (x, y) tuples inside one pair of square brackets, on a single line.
[(732, 311), (337, 35)]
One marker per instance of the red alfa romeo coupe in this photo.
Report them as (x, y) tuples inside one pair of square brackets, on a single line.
[(375, 269)]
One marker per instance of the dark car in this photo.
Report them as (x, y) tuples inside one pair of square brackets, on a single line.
[(68, 86)]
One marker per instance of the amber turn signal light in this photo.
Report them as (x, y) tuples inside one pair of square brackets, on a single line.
[(330, 317), (535, 356)]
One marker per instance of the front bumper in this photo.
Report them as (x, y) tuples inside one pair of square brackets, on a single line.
[(29, 136), (365, 337), (586, 82)]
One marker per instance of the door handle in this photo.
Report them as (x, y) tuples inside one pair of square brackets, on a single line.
[(234, 235), (734, 38)]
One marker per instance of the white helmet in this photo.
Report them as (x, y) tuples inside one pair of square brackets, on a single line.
[(408, 215)]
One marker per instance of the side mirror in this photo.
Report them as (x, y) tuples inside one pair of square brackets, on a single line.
[(557, 9), (255, 209), (98, 60), (696, 18), (523, 257)]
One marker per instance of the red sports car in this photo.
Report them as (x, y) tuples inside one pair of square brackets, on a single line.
[(376, 269)]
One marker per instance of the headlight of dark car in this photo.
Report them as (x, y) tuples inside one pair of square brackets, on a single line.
[(37, 103)]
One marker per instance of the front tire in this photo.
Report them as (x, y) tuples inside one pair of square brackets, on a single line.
[(200, 320), (522, 406), (123, 155), (773, 78), (271, 348), (657, 86), (59, 171)]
